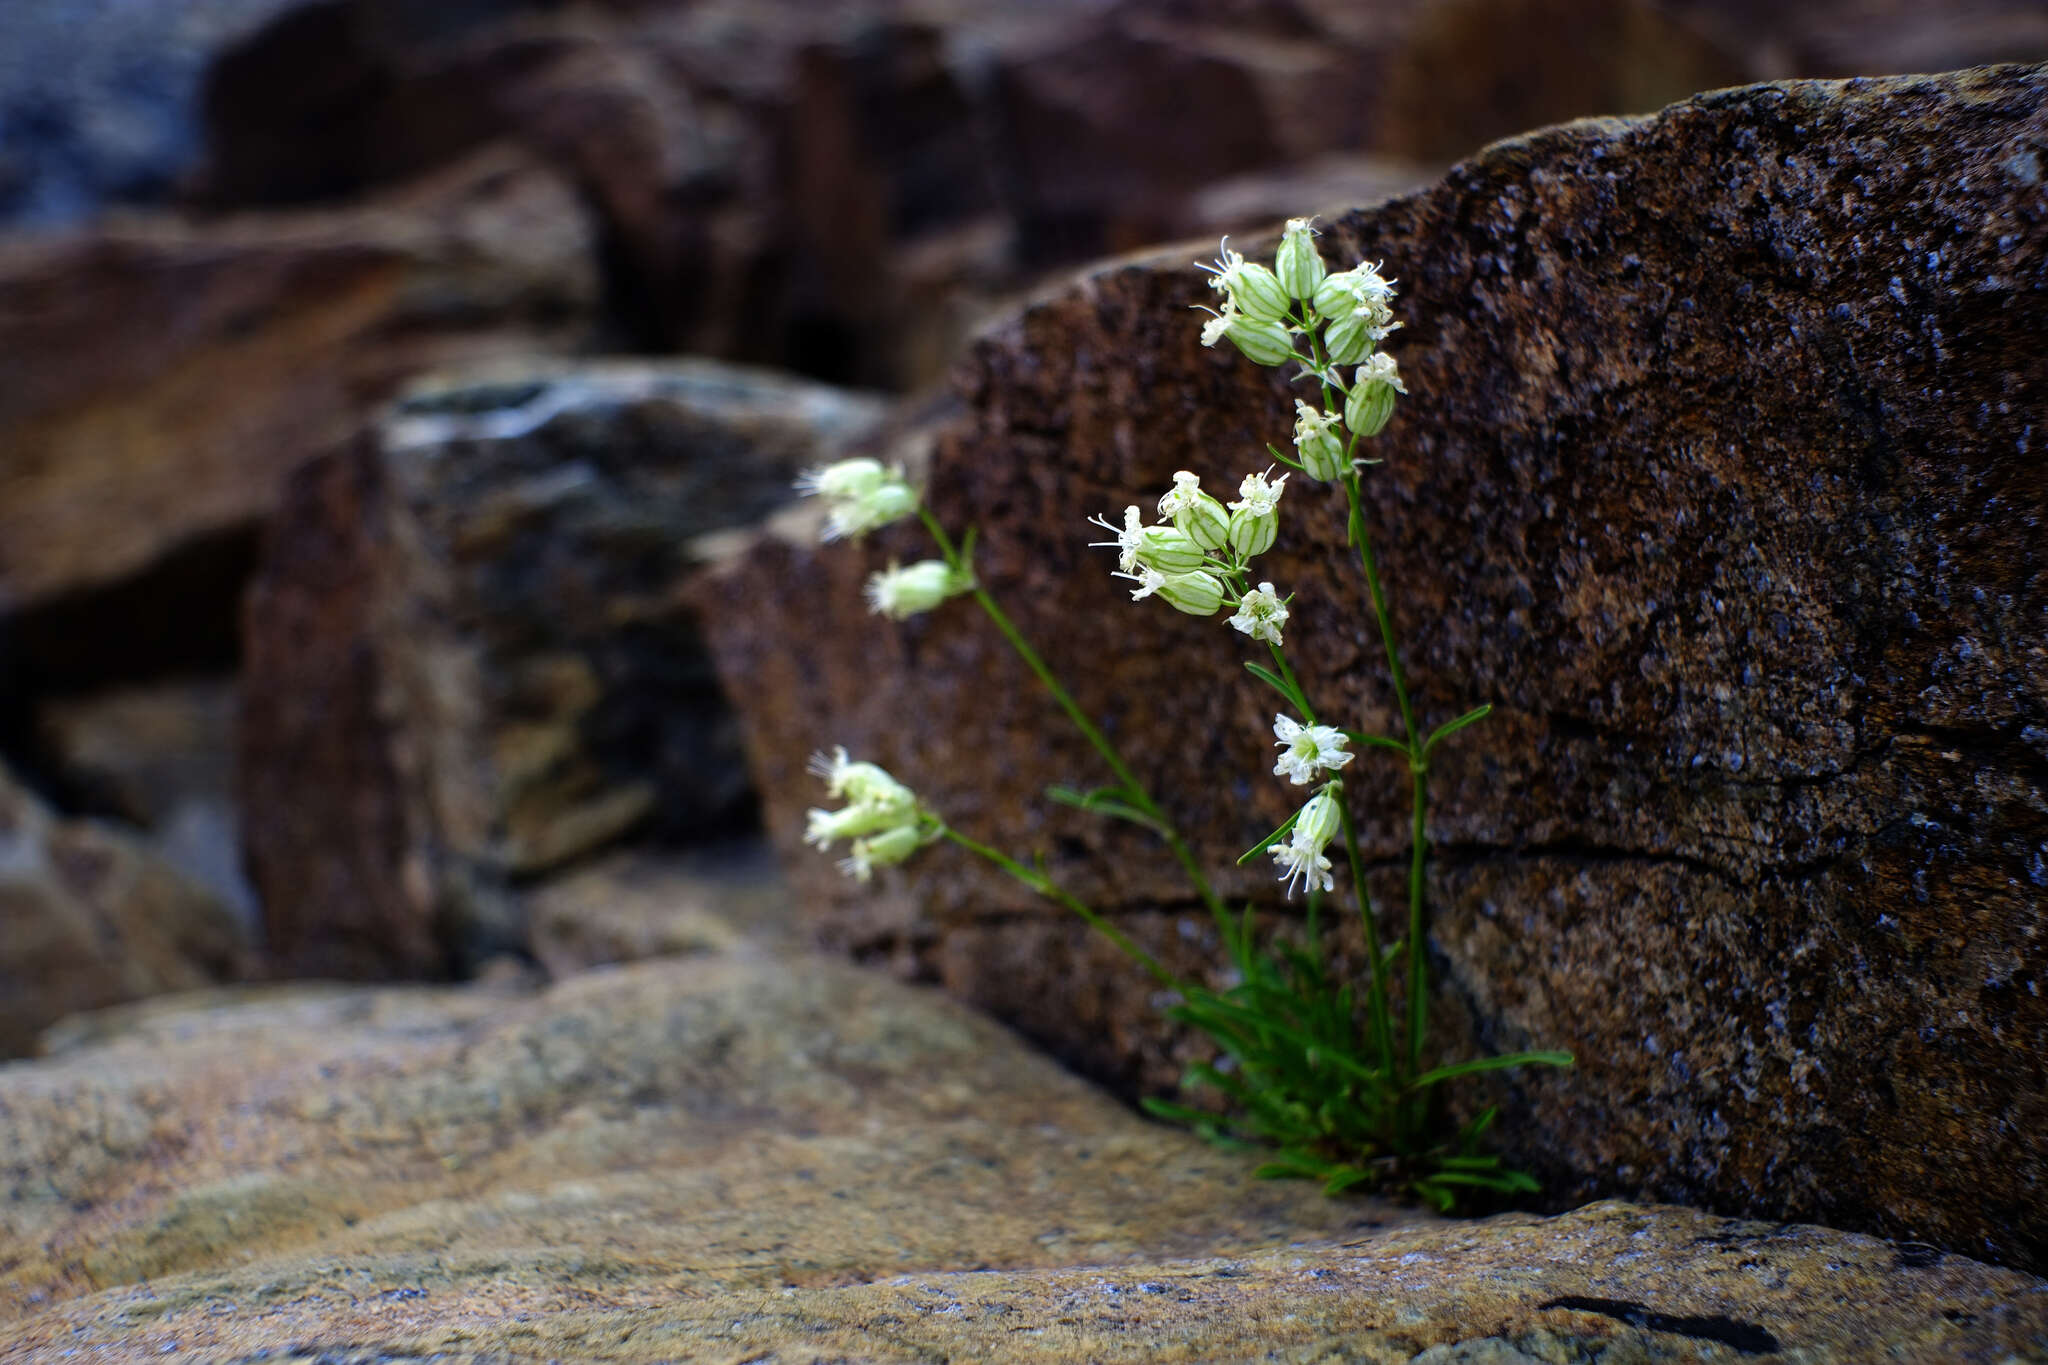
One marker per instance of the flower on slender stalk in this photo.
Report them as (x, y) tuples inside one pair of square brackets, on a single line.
[(1197, 594), (860, 496), (1308, 751), (882, 817), (1298, 264), (1195, 514), (902, 593), (1360, 315), (1253, 521), (1371, 402), (1301, 857), (1163, 549), (1315, 441), (1263, 342), (1261, 614)]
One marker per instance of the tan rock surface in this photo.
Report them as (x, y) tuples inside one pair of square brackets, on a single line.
[(748, 1158), (91, 916), (1720, 478)]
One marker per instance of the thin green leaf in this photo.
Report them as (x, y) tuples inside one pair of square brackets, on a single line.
[(1277, 683), (1500, 1063), (1451, 727), (1271, 839), (1347, 1179), (1376, 741)]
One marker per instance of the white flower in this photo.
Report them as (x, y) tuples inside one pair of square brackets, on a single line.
[(1149, 581), (1260, 614), (1195, 515), (887, 502), (858, 782), (1259, 494), (1301, 857), (1126, 542), (901, 593), (1306, 865), (886, 849), (843, 479), (1186, 487), (1308, 751), (1218, 325)]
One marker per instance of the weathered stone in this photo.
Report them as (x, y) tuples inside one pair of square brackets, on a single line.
[(642, 903), (466, 660), (90, 916), (728, 1158), (1720, 481), (163, 758), (164, 376)]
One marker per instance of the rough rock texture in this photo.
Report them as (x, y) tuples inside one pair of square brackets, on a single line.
[(466, 660), (642, 903), (1721, 479), (163, 377), (740, 1158), (91, 916)]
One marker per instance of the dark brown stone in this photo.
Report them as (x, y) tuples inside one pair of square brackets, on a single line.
[(1721, 481), (466, 661)]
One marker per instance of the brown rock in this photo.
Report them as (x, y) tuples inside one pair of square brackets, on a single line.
[(1718, 480), (641, 903), (729, 1159), (466, 661), (163, 376), (89, 916)]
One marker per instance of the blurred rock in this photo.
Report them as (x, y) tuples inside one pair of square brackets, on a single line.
[(467, 662), (1323, 188), (643, 903), (90, 917), (1718, 482), (161, 757), (734, 1159), (163, 378)]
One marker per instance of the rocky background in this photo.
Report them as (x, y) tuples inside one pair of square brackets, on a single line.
[(398, 579)]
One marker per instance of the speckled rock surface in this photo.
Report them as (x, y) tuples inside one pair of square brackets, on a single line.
[(747, 1157), (466, 663), (1722, 480)]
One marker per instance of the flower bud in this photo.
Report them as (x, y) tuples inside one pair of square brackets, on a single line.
[(843, 479), (1347, 291), (1253, 533), (1350, 338), (1371, 402), (1258, 292), (1197, 594), (903, 593), (1299, 265), (1320, 452), (891, 846), (1264, 343), (889, 501), (1195, 514), (826, 827), (1168, 550), (1321, 818)]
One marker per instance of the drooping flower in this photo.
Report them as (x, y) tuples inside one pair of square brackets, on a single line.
[(1261, 614), (1308, 751), (1316, 443), (905, 592), (1254, 524), (860, 496), (1198, 594), (1301, 856), (1252, 288), (1195, 514), (1371, 401)]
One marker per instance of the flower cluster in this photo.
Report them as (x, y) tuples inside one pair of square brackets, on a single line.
[(861, 495), (883, 818), (1197, 556), (1298, 311)]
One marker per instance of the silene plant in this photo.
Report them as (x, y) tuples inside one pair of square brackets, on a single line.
[(1325, 1074)]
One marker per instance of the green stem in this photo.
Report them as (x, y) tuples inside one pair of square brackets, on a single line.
[(1382, 1016), (1052, 891), (1418, 982), (1300, 698), (1140, 797)]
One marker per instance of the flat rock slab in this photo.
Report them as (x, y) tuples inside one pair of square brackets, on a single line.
[(742, 1157)]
